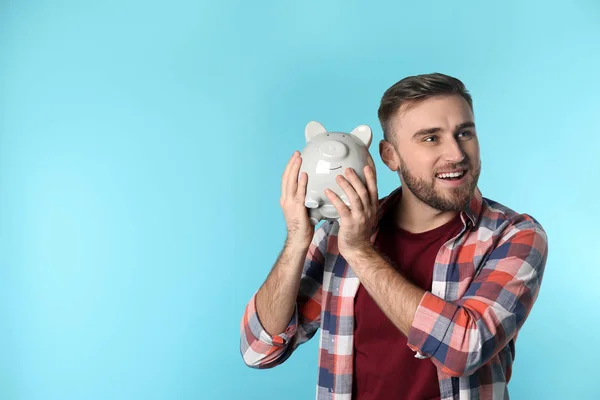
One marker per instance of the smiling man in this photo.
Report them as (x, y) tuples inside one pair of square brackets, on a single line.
[(420, 294)]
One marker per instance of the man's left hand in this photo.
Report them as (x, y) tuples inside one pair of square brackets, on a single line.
[(358, 220)]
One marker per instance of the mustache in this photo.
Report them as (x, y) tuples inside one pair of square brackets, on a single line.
[(465, 164)]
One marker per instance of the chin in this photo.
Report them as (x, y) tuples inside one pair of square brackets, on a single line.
[(457, 196)]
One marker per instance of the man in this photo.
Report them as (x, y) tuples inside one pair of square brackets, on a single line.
[(419, 295)]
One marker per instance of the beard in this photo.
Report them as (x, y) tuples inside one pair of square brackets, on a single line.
[(446, 199)]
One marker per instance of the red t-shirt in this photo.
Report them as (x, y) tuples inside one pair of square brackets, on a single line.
[(384, 366)]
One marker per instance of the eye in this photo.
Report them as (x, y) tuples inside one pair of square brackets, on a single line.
[(465, 134), (431, 139)]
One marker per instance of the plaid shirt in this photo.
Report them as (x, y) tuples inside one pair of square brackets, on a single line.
[(485, 282)]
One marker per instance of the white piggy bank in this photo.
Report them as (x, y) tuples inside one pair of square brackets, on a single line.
[(327, 155)]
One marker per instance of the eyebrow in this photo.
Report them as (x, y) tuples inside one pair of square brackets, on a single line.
[(430, 131)]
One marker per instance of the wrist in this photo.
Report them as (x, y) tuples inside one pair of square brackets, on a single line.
[(297, 247), (360, 253), (294, 242)]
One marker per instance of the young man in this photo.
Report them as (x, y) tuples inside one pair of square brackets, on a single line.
[(419, 295)]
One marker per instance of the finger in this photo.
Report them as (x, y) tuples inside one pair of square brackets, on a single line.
[(302, 183), (292, 185), (358, 186), (339, 205), (355, 201), (286, 172), (371, 179)]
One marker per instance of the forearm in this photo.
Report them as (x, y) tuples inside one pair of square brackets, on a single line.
[(397, 297), (276, 299)]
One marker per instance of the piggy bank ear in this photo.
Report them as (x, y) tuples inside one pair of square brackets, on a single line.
[(363, 132), (313, 128)]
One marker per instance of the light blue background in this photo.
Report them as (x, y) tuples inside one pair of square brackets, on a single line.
[(141, 149)]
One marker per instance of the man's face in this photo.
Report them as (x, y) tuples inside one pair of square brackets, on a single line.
[(437, 152)]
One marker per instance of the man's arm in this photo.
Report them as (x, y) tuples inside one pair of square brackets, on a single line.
[(276, 299), (397, 297), (461, 336), (285, 312)]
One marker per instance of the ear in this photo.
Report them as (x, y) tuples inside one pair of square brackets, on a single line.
[(388, 155), (313, 128), (363, 132)]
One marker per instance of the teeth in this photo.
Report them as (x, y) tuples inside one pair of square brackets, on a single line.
[(451, 175)]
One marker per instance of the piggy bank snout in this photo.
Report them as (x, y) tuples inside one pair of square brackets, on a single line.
[(333, 149)]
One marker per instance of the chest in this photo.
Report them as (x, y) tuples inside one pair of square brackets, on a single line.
[(446, 267)]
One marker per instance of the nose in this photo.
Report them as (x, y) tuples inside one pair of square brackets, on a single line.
[(453, 152), (334, 149)]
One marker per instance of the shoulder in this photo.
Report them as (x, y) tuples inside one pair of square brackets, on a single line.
[(510, 226), (494, 213)]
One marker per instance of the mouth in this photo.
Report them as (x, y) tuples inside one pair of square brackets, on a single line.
[(452, 177), (332, 169)]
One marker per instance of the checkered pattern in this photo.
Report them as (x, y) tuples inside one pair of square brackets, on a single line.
[(485, 283)]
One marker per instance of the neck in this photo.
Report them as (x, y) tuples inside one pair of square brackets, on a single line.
[(414, 216)]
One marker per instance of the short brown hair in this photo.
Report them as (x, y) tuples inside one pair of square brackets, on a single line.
[(414, 89)]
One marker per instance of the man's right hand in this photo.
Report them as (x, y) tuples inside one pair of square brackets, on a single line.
[(293, 192)]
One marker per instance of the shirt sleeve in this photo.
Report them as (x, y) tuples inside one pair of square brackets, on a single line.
[(261, 350), (463, 335)]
